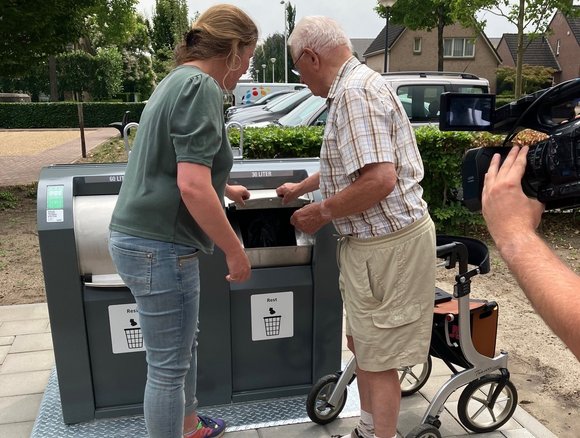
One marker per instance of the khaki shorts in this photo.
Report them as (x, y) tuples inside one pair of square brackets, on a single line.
[(387, 285)]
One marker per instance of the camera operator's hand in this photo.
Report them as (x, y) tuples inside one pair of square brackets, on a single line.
[(512, 218), (507, 210)]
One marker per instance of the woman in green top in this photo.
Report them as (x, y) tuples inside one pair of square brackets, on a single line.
[(171, 205)]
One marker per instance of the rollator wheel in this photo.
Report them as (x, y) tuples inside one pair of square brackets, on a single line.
[(476, 409), (424, 431), (317, 405), (413, 378)]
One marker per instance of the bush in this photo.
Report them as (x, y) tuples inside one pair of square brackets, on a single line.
[(442, 153), (278, 142), (65, 114)]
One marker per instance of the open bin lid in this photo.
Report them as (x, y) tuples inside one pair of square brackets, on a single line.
[(262, 199)]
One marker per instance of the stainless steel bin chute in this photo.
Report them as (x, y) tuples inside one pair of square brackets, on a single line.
[(263, 227)]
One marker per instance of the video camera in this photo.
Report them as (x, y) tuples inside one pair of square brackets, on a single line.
[(553, 165)]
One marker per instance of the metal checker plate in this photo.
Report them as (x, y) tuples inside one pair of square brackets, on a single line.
[(239, 416)]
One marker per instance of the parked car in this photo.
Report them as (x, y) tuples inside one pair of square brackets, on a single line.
[(248, 92), (311, 112), (264, 100), (272, 111), (418, 92)]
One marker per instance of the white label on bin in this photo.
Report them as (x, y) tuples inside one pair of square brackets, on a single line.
[(54, 216), (55, 203), (126, 336), (272, 315)]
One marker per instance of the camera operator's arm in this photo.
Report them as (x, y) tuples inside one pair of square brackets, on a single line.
[(512, 218)]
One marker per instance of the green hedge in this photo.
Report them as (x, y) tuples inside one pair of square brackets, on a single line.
[(442, 154), (277, 142), (501, 100), (65, 114)]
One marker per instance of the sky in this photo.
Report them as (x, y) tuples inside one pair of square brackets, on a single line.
[(356, 17)]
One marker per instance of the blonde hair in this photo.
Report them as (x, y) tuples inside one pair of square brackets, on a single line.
[(318, 33), (221, 31)]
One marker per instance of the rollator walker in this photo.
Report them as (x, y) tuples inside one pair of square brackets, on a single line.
[(489, 398)]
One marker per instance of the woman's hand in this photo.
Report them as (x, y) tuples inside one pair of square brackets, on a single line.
[(238, 194)]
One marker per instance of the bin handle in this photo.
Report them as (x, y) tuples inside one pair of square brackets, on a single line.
[(241, 146), (126, 129)]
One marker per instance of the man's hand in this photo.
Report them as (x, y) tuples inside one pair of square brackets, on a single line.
[(288, 192), (506, 209), (310, 218)]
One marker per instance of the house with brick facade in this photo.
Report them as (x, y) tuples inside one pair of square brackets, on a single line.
[(465, 50), (559, 48), (537, 51), (564, 39)]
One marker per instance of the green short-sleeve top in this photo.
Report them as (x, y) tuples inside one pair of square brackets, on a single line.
[(182, 122)]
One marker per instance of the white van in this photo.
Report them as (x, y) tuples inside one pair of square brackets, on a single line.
[(249, 92)]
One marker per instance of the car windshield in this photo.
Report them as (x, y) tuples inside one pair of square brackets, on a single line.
[(303, 112), (280, 105), (271, 97)]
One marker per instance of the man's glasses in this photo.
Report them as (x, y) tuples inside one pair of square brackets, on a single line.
[(295, 68)]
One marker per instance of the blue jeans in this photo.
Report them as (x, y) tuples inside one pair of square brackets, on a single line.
[(164, 279)]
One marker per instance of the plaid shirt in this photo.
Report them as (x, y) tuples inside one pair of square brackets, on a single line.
[(367, 124)]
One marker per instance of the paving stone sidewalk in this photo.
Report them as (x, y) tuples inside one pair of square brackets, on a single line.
[(25, 169)]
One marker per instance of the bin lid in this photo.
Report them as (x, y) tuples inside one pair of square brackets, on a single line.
[(261, 199)]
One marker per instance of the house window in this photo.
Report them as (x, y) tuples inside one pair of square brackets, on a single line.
[(458, 48), (558, 48), (417, 45)]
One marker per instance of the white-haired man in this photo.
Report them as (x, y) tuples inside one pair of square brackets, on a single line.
[(370, 169)]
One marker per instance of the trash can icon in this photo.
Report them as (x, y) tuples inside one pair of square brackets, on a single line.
[(272, 325), (134, 337)]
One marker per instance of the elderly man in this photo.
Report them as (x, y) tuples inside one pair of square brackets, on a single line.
[(370, 169)]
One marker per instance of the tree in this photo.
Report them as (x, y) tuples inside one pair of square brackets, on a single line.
[(290, 22), (108, 77), (530, 15), (422, 15), (75, 70), (80, 72), (110, 23), (31, 31), (169, 24), (138, 75), (534, 78), (272, 47), (34, 82)]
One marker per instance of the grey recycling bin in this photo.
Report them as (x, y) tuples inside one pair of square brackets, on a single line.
[(272, 336)]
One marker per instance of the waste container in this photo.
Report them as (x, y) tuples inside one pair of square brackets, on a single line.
[(270, 337)]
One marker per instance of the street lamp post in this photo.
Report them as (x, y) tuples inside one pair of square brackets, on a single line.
[(387, 4), (264, 73), (285, 41), (273, 60)]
